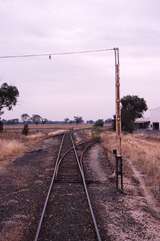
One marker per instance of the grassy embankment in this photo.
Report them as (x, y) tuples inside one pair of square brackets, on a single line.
[(13, 143), (144, 154)]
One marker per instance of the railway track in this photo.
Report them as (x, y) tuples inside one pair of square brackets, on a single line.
[(67, 212)]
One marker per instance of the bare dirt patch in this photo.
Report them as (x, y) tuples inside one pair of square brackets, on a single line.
[(16, 147), (94, 165), (123, 217)]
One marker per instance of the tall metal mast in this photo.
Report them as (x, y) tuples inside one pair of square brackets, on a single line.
[(118, 99)]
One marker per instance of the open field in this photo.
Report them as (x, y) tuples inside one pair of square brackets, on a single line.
[(14, 144), (143, 153), (13, 132), (12, 147), (47, 127)]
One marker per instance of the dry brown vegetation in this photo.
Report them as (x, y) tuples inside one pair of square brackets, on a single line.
[(10, 147), (34, 127), (13, 145), (144, 153)]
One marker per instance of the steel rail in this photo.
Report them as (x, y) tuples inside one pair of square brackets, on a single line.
[(56, 168), (66, 153), (86, 190), (49, 191), (83, 153)]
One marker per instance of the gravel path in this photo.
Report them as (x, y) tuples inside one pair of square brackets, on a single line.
[(123, 217)]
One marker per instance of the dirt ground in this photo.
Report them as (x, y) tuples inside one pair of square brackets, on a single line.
[(24, 182), (23, 186), (124, 217)]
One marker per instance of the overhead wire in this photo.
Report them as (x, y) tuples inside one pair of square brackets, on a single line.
[(55, 53)]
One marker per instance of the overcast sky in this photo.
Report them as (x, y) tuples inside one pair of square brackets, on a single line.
[(81, 84)]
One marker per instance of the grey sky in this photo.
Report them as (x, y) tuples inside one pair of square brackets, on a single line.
[(79, 84)]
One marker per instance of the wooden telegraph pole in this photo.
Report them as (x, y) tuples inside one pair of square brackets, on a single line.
[(118, 100)]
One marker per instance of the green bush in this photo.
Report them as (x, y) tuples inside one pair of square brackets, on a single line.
[(99, 123)]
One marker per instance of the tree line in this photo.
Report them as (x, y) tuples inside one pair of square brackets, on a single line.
[(132, 107)]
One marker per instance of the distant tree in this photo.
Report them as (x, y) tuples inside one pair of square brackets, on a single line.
[(133, 107), (8, 97), (13, 121), (78, 119), (71, 122), (1, 126), (66, 120), (25, 117), (90, 122), (36, 119), (99, 123), (114, 123), (44, 120), (109, 120)]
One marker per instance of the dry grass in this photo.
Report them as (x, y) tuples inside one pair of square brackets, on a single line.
[(47, 126), (144, 152), (13, 145), (56, 132), (10, 148), (15, 131), (35, 136)]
